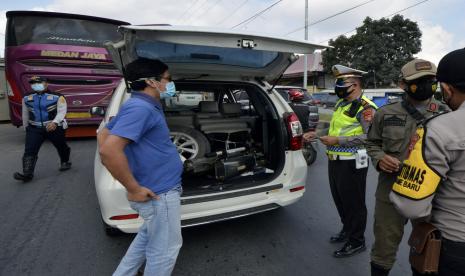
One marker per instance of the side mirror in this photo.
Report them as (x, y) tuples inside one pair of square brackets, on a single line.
[(97, 111)]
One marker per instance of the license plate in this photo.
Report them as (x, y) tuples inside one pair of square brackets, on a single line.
[(80, 115)]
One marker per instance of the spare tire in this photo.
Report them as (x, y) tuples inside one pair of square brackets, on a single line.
[(190, 142)]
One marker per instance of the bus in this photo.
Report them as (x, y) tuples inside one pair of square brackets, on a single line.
[(68, 50)]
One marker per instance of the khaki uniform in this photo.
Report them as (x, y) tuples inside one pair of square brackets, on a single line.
[(391, 131)]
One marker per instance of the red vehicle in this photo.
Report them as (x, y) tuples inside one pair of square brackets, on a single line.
[(68, 50)]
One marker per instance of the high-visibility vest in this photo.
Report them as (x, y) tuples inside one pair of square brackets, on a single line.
[(342, 124), (42, 108)]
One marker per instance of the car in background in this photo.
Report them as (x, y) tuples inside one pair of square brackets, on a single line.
[(326, 99)]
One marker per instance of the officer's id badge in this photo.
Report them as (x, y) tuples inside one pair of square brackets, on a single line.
[(416, 180)]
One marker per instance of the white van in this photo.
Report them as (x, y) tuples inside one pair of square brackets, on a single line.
[(237, 161)]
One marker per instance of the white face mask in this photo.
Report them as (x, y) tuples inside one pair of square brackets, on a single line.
[(38, 87)]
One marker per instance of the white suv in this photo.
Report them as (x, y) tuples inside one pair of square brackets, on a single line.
[(237, 161)]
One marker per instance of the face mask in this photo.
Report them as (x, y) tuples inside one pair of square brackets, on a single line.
[(38, 87), (169, 92), (422, 90), (342, 89)]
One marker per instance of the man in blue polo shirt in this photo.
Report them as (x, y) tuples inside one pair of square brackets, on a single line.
[(137, 150)]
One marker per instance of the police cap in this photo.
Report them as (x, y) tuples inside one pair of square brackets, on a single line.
[(36, 79), (417, 68), (341, 71)]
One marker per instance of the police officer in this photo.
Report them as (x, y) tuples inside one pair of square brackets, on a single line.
[(348, 164), (438, 152), (43, 114), (387, 145)]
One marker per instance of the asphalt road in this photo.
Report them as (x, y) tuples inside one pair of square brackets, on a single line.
[(51, 226)]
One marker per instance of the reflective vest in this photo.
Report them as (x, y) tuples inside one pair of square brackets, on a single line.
[(343, 123), (42, 108), (417, 180)]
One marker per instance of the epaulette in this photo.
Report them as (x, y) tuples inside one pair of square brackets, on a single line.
[(425, 121)]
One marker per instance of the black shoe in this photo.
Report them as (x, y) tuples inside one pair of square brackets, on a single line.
[(22, 177), (349, 249), (339, 237), (65, 166), (377, 270)]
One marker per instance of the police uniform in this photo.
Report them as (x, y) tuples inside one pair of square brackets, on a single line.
[(431, 184), (390, 133), (350, 123), (38, 110)]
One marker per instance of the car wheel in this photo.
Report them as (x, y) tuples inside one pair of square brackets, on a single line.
[(190, 142)]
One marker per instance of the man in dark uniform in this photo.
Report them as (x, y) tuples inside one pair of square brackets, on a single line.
[(387, 144), (43, 118), (348, 161)]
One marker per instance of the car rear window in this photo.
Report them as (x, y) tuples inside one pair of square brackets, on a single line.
[(185, 53)]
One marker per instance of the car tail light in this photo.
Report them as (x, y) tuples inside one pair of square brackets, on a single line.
[(125, 217), (295, 131), (296, 189)]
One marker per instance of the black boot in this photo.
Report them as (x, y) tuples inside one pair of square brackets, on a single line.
[(29, 163), (377, 270)]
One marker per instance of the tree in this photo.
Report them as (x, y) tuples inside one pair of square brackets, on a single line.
[(382, 46)]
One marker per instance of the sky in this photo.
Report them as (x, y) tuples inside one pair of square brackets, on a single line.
[(441, 21)]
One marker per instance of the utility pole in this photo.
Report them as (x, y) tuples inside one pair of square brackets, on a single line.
[(306, 38), (374, 77)]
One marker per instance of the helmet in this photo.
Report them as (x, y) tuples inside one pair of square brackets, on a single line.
[(295, 95)]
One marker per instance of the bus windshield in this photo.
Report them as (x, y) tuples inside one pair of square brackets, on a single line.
[(61, 31), (68, 50)]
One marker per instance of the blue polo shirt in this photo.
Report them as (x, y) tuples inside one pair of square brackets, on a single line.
[(152, 156)]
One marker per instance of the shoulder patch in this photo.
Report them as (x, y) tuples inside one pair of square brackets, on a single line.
[(368, 114), (30, 98), (62, 99)]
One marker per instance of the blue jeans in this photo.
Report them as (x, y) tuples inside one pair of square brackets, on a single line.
[(159, 239)]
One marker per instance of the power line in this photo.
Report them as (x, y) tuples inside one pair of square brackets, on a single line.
[(195, 11), (190, 7), (329, 17), (253, 17), (397, 12), (231, 14), (209, 9)]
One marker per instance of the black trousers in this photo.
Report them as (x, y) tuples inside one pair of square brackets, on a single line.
[(348, 190), (451, 260), (36, 136)]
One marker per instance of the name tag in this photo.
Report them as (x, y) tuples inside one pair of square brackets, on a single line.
[(394, 120)]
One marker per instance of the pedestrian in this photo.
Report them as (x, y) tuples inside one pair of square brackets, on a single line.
[(348, 161), (136, 148), (438, 152), (387, 145), (43, 114)]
